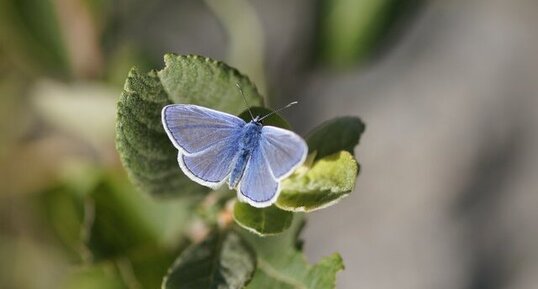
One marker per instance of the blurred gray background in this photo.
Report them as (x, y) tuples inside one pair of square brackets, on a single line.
[(448, 193)]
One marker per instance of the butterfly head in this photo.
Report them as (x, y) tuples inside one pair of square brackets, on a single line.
[(257, 120)]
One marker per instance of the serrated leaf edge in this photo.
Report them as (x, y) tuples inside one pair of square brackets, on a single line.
[(303, 209)]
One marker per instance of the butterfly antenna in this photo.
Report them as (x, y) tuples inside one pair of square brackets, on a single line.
[(278, 110), (245, 99)]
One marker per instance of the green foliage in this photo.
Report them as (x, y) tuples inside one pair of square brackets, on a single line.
[(282, 265), (351, 31), (349, 28), (204, 81), (140, 138), (262, 221), (62, 210), (142, 143), (341, 133), (330, 171), (325, 183), (122, 222), (100, 218), (29, 28), (222, 261)]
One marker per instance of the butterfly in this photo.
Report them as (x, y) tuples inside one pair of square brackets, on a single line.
[(216, 147)]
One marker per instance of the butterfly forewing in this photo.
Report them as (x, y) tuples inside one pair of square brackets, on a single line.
[(207, 141), (283, 149), (193, 128)]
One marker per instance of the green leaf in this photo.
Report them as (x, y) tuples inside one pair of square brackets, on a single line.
[(325, 183), (342, 133), (203, 81), (222, 261), (262, 221), (143, 146), (330, 171), (281, 265)]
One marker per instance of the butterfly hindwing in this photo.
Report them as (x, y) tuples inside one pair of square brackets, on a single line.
[(206, 139), (211, 166), (258, 186)]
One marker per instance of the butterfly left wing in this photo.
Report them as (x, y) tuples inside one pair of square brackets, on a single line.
[(206, 140), (277, 155)]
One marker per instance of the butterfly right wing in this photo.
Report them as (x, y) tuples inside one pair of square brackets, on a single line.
[(284, 150), (278, 153), (206, 140)]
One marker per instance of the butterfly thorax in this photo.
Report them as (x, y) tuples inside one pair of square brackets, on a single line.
[(247, 143)]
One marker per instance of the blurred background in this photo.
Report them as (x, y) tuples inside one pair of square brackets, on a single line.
[(448, 192)]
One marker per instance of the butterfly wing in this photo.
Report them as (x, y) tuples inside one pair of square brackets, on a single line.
[(193, 128), (285, 150), (277, 155), (206, 140)]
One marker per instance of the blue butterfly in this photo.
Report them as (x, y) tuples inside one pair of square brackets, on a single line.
[(216, 147)]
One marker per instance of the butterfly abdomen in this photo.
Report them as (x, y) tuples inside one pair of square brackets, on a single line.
[(249, 141)]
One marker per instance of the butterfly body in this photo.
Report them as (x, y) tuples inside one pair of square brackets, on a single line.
[(215, 147), (247, 143)]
